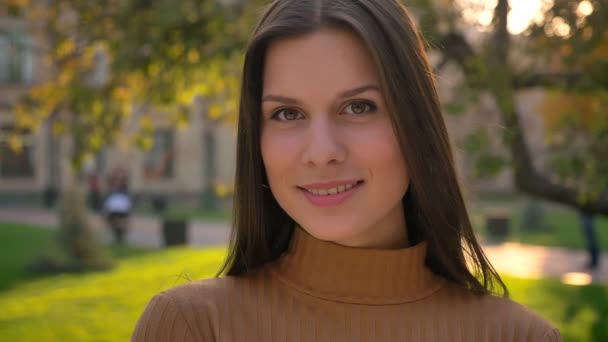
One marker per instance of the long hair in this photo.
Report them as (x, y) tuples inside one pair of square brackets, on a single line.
[(434, 207)]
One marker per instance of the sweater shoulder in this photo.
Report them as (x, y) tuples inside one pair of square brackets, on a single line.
[(203, 289), (189, 311), (505, 313)]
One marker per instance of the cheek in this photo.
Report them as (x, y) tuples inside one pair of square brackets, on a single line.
[(278, 153), (379, 150)]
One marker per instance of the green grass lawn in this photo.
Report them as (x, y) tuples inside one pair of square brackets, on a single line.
[(104, 306), (18, 245), (580, 312)]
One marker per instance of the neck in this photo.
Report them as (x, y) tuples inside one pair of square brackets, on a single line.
[(358, 275)]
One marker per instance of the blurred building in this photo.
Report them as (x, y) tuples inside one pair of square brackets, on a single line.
[(18, 69), (180, 163), (183, 163)]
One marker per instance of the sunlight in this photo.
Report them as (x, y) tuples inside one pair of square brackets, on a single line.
[(576, 278), (585, 8), (522, 13)]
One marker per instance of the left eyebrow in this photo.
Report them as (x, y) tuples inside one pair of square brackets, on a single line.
[(359, 90)]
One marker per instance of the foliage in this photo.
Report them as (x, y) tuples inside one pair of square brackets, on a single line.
[(564, 51), (577, 123), (112, 63)]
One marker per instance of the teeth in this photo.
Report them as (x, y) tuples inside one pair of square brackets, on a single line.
[(332, 191)]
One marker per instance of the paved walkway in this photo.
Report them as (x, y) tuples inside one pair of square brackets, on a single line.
[(508, 258)]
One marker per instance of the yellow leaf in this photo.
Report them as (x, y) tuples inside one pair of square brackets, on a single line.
[(97, 107), (193, 56), (215, 112), (126, 110), (146, 143), (153, 69), (221, 190), (15, 143), (176, 50), (121, 93), (146, 123), (65, 76), (65, 48), (18, 3), (58, 128), (94, 141), (181, 121)]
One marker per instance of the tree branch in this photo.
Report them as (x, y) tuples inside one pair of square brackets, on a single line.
[(455, 47), (529, 180), (526, 178)]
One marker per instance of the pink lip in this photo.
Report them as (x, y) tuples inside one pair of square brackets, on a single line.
[(330, 200)]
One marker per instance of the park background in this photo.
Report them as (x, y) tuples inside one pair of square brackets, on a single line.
[(148, 90)]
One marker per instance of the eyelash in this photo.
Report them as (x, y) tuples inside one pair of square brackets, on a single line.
[(371, 109)]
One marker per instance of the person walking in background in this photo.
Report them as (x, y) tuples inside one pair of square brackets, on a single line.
[(117, 207), (588, 225)]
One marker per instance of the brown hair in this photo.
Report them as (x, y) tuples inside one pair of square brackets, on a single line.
[(434, 206)]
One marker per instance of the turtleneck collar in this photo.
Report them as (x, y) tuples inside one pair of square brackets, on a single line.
[(356, 275)]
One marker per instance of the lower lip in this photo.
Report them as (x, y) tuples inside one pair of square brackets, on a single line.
[(331, 200)]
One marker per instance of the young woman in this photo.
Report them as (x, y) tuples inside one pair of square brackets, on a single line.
[(349, 224)]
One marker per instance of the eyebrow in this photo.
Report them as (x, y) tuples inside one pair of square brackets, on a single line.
[(344, 94)]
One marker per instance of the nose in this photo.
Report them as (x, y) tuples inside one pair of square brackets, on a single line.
[(324, 145)]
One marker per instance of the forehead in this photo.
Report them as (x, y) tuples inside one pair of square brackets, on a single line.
[(323, 61)]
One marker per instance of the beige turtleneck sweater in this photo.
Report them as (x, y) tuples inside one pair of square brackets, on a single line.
[(320, 291)]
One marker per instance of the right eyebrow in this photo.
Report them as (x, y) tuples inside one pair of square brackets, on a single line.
[(282, 99)]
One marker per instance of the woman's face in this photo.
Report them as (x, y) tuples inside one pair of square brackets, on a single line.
[(329, 149)]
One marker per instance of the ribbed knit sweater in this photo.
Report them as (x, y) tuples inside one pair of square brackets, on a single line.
[(321, 291)]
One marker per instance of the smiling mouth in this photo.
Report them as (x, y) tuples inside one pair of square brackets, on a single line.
[(333, 190)]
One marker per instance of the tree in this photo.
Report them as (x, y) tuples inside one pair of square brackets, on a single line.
[(110, 61), (564, 52)]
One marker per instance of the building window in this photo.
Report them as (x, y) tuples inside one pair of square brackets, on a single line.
[(15, 164), (17, 57), (160, 159)]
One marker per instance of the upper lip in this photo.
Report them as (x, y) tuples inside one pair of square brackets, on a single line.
[(329, 185)]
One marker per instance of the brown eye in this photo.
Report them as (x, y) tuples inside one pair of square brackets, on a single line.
[(286, 114), (360, 107)]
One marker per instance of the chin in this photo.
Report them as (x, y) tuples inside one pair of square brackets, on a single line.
[(330, 232)]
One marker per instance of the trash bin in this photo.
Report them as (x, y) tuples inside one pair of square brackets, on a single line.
[(497, 224), (175, 232)]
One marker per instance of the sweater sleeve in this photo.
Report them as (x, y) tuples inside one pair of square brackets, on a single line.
[(162, 321), (552, 335)]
